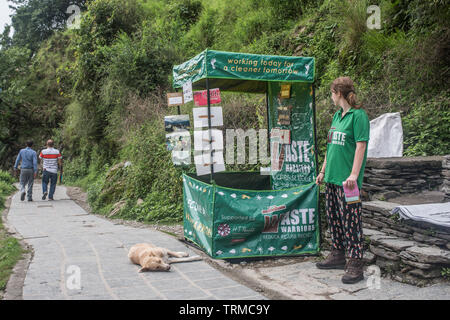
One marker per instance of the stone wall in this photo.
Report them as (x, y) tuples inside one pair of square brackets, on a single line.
[(411, 252), (393, 177), (446, 177)]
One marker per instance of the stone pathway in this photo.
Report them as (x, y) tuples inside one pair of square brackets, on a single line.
[(67, 240), (303, 281), (70, 245)]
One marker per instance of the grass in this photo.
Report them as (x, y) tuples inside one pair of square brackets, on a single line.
[(10, 249)]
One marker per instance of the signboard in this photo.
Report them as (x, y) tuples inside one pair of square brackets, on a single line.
[(202, 141), (203, 162), (235, 69), (201, 117), (175, 99), (201, 97), (250, 223)]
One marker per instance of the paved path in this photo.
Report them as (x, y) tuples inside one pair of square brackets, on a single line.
[(303, 281), (67, 241)]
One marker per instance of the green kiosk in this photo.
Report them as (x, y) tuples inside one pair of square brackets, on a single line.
[(249, 214)]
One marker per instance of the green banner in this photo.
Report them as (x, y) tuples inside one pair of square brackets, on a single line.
[(198, 206), (297, 158), (251, 223), (236, 69)]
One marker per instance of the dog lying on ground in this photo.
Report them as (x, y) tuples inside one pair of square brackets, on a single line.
[(152, 258)]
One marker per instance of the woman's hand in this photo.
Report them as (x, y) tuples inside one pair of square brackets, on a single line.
[(350, 183), (319, 178)]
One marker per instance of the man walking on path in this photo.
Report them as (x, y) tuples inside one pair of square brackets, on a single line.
[(51, 157), (28, 170)]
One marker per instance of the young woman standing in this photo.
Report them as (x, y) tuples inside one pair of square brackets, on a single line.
[(344, 165)]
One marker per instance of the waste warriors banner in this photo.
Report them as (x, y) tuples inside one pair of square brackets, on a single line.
[(235, 223), (296, 159)]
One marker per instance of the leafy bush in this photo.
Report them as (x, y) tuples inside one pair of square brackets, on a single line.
[(6, 187), (426, 127)]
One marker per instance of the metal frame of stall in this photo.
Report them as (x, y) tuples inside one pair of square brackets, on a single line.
[(187, 67)]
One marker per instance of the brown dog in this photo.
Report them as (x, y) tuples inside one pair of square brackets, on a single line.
[(152, 258)]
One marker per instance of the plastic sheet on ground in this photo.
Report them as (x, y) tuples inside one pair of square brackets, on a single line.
[(435, 213)]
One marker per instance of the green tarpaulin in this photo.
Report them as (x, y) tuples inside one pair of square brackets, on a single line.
[(236, 222), (242, 72)]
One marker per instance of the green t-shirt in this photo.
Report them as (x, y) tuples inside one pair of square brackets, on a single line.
[(341, 145)]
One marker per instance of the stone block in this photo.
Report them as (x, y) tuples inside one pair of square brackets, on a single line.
[(387, 264), (429, 254), (426, 274), (429, 239), (418, 265), (382, 252), (395, 244)]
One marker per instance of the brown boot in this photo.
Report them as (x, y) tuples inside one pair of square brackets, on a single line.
[(353, 271), (335, 260)]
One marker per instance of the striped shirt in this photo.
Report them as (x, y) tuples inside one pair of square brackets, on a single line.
[(50, 157)]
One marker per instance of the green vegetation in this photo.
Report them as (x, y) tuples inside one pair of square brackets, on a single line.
[(445, 272), (10, 249), (99, 90)]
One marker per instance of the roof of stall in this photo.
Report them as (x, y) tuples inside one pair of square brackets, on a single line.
[(243, 72)]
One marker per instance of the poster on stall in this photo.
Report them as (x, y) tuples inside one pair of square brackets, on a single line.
[(179, 143), (187, 92), (201, 98), (203, 162), (295, 161), (175, 99), (176, 123), (202, 140), (201, 117)]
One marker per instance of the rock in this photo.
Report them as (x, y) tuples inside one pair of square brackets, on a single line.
[(372, 232), (397, 233), (407, 256), (375, 223), (418, 265), (375, 239), (369, 257), (382, 164), (388, 182), (379, 206), (139, 202), (396, 244), (386, 254), (429, 239), (426, 274), (429, 254), (387, 264)]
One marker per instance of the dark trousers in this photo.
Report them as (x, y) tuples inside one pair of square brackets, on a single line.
[(344, 221), (53, 179)]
